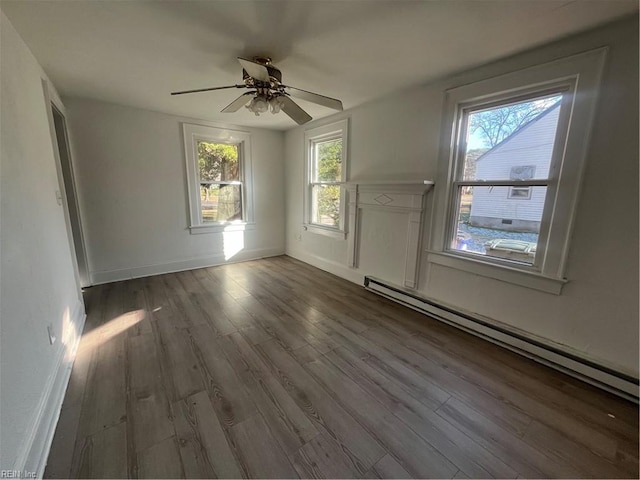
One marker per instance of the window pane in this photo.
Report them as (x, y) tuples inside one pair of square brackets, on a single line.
[(491, 223), (328, 161), (326, 205), (218, 162), (512, 142), (221, 203)]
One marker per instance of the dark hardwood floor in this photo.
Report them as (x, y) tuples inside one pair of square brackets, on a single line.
[(275, 369)]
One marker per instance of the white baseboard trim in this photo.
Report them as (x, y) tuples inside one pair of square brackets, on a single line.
[(559, 357), (108, 276), (35, 450), (328, 266)]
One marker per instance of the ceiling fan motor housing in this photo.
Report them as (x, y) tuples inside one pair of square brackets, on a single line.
[(274, 73)]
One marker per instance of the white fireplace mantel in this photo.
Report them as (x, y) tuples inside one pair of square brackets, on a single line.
[(396, 207)]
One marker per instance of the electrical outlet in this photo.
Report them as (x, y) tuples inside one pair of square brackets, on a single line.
[(52, 335)]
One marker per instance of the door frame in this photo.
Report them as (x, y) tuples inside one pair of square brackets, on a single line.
[(68, 191)]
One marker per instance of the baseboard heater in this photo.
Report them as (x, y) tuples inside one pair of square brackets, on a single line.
[(601, 376)]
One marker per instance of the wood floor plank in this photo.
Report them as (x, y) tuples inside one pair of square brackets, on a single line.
[(416, 455), (229, 399), (150, 413), (180, 367), (322, 457), (476, 461), (306, 331), (155, 293), (557, 445), (181, 302), (419, 385), (135, 304), (287, 422), (255, 334), (271, 324), (388, 467), (212, 311), (60, 459), (161, 460), (259, 454), (482, 396), (204, 449), (525, 459), (357, 444), (546, 385), (273, 300), (204, 297), (103, 454), (517, 398), (237, 315), (233, 288), (461, 474), (104, 402), (306, 354)]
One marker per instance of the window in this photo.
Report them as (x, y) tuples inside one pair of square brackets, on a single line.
[(512, 169), (219, 173), (520, 193), (325, 176), (498, 197)]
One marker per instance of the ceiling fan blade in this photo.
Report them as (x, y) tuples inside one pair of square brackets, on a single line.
[(255, 70), (315, 98), (238, 103), (292, 109), (207, 89)]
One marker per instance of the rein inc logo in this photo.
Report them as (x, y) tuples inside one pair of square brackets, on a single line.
[(17, 474)]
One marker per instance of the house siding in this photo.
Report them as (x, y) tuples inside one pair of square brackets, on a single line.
[(532, 145)]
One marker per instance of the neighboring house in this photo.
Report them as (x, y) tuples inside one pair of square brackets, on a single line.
[(524, 155)]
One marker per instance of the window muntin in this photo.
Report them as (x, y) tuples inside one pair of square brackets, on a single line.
[(500, 187), (326, 175)]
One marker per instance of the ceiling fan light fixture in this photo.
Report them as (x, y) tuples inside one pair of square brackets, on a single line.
[(258, 105), (276, 104)]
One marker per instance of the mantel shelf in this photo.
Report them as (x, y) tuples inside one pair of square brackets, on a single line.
[(390, 182), (398, 186)]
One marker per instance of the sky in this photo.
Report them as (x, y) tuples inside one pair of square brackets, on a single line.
[(474, 140)]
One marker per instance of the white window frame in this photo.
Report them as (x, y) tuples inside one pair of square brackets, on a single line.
[(332, 131), (192, 135), (578, 78)]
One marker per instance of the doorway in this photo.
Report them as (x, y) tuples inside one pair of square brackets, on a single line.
[(69, 191)]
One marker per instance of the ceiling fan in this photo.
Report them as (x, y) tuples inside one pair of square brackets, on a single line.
[(267, 91)]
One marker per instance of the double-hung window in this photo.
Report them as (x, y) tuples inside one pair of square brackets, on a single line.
[(326, 173), (510, 171), (218, 173), (499, 190)]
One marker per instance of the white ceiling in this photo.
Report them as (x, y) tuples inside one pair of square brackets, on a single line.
[(136, 52)]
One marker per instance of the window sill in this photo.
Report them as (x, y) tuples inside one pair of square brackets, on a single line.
[(221, 227), (503, 273), (326, 231)]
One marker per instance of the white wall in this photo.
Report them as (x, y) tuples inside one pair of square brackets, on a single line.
[(596, 315), (132, 189), (37, 284)]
